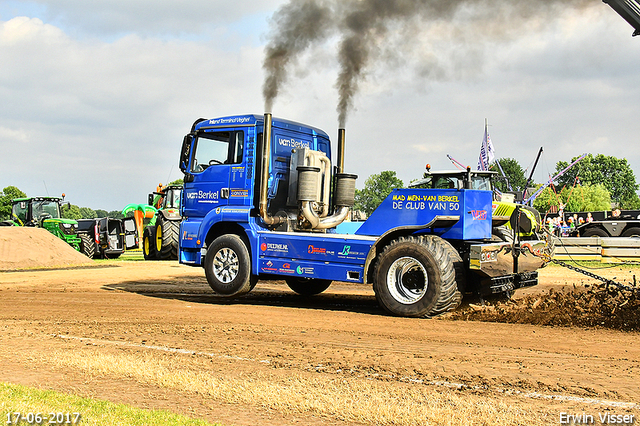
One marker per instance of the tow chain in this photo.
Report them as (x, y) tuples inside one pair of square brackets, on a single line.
[(592, 275), (547, 258)]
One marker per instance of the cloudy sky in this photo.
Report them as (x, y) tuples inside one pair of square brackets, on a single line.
[(97, 95)]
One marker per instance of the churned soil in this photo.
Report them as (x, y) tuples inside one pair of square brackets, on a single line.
[(54, 322)]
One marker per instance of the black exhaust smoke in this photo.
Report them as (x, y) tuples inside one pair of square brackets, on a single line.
[(376, 33)]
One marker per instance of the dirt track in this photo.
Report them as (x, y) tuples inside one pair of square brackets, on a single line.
[(149, 309)]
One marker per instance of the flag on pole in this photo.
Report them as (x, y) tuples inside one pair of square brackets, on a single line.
[(487, 153)]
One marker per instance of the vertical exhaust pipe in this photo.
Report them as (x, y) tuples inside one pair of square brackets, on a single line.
[(341, 143), (264, 178)]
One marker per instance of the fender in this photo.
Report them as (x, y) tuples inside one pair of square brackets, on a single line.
[(436, 222)]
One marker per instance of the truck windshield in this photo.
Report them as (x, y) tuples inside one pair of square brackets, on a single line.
[(213, 148), (45, 207)]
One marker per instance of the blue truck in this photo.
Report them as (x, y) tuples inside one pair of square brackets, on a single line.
[(264, 199)]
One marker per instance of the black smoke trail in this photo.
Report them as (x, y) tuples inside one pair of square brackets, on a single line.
[(368, 32)]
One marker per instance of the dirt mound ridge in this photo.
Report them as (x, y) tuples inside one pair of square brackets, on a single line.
[(26, 248), (600, 305)]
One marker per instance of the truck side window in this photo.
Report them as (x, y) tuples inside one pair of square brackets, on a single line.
[(212, 148), (238, 148)]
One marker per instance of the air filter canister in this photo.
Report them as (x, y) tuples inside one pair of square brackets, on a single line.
[(345, 189), (308, 183)]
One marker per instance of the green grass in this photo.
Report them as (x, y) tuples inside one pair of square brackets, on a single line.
[(129, 255), (24, 400)]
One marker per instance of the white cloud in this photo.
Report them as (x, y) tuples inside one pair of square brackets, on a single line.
[(92, 112)]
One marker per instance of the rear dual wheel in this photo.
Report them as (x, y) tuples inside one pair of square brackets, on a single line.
[(416, 277)]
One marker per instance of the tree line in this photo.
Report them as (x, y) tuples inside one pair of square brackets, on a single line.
[(596, 183)]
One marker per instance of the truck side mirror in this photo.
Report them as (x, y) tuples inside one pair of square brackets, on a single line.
[(185, 152), (150, 200)]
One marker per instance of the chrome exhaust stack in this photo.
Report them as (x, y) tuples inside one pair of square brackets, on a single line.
[(264, 178), (341, 144)]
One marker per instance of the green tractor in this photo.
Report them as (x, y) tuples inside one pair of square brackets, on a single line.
[(44, 212), (160, 236)]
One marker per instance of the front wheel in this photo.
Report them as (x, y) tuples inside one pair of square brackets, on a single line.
[(307, 286), (409, 276), (227, 266)]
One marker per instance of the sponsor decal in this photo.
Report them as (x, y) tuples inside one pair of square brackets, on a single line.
[(317, 250), (286, 269), (269, 263), (349, 253), (280, 248), (425, 202), (204, 196), (241, 193), (479, 214), (229, 120), (292, 143), (300, 270)]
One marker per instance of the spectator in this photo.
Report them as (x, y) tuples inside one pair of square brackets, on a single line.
[(589, 218)]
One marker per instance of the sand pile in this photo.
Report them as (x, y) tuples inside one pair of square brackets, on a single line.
[(27, 248)]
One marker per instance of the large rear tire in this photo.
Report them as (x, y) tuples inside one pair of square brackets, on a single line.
[(411, 274), (595, 232), (451, 292), (149, 243), (167, 238), (227, 266), (307, 286), (632, 232), (88, 245)]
